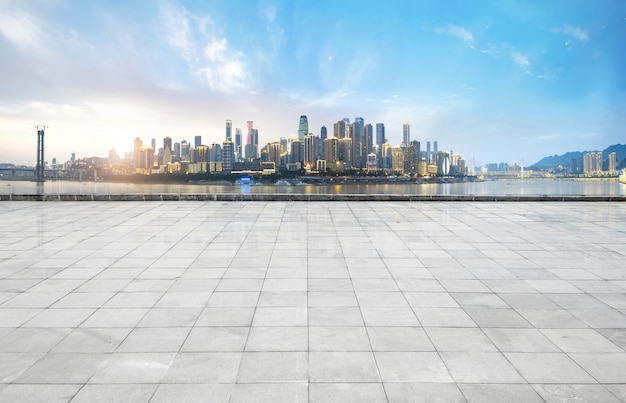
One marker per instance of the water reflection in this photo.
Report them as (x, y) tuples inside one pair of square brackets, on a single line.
[(525, 187)]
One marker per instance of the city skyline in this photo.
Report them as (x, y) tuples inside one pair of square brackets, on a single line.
[(498, 81)]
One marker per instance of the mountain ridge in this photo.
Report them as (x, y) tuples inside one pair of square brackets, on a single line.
[(553, 161)]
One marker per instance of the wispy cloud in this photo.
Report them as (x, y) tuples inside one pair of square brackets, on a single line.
[(21, 29), (207, 54), (573, 32), (457, 31), (519, 58)]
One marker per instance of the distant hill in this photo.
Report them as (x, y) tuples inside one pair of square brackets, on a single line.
[(564, 159)]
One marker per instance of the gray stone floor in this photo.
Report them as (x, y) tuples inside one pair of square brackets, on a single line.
[(318, 302)]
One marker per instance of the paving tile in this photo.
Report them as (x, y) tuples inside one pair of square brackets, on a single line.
[(552, 393), (203, 368), (342, 367), (388, 338), (495, 393), (214, 339), (270, 393), (423, 392), (273, 367), (548, 368), (480, 367), (115, 393), (581, 341), (277, 338), (63, 368), (347, 392), (520, 340), (38, 393), (411, 367), (605, 367), (131, 368), (338, 339), (459, 339)]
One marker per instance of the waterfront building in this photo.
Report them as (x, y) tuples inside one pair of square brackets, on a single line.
[(238, 155), (137, 144), (397, 159), (612, 163), (344, 152), (406, 133), (332, 151), (339, 129), (311, 142), (303, 127), (228, 155), (296, 155), (380, 134), (274, 152), (229, 130), (167, 144), (368, 140), (184, 150)]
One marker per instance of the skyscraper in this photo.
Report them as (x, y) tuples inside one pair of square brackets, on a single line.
[(228, 155), (229, 130), (238, 154), (380, 134), (303, 128), (339, 129), (406, 133), (167, 144), (197, 141), (368, 140)]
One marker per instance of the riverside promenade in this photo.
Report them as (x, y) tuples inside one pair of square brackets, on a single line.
[(284, 301)]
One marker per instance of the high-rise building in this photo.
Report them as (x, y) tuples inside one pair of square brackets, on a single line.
[(274, 152), (406, 133), (311, 142), (250, 125), (185, 151), (435, 149), (368, 140), (356, 135), (344, 151), (197, 141), (612, 163), (238, 154), (228, 155), (297, 152), (339, 129), (380, 134), (303, 127), (229, 130), (331, 148), (428, 153), (137, 145), (176, 153), (167, 144), (321, 145)]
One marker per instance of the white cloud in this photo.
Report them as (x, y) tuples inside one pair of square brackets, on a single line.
[(519, 58), (206, 53), (455, 30), (574, 32), (21, 29)]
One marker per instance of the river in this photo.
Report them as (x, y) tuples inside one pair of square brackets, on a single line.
[(497, 188)]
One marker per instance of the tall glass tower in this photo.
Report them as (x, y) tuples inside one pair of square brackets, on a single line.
[(303, 128), (406, 133)]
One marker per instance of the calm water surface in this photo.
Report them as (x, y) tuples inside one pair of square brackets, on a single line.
[(516, 187)]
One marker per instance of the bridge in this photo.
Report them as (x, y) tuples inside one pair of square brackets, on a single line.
[(23, 174)]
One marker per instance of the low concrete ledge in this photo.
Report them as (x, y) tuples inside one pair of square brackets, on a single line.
[(307, 197)]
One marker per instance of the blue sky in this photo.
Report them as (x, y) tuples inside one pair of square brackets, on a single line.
[(494, 81)]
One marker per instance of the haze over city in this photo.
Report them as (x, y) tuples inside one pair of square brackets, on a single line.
[(495, 81)]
